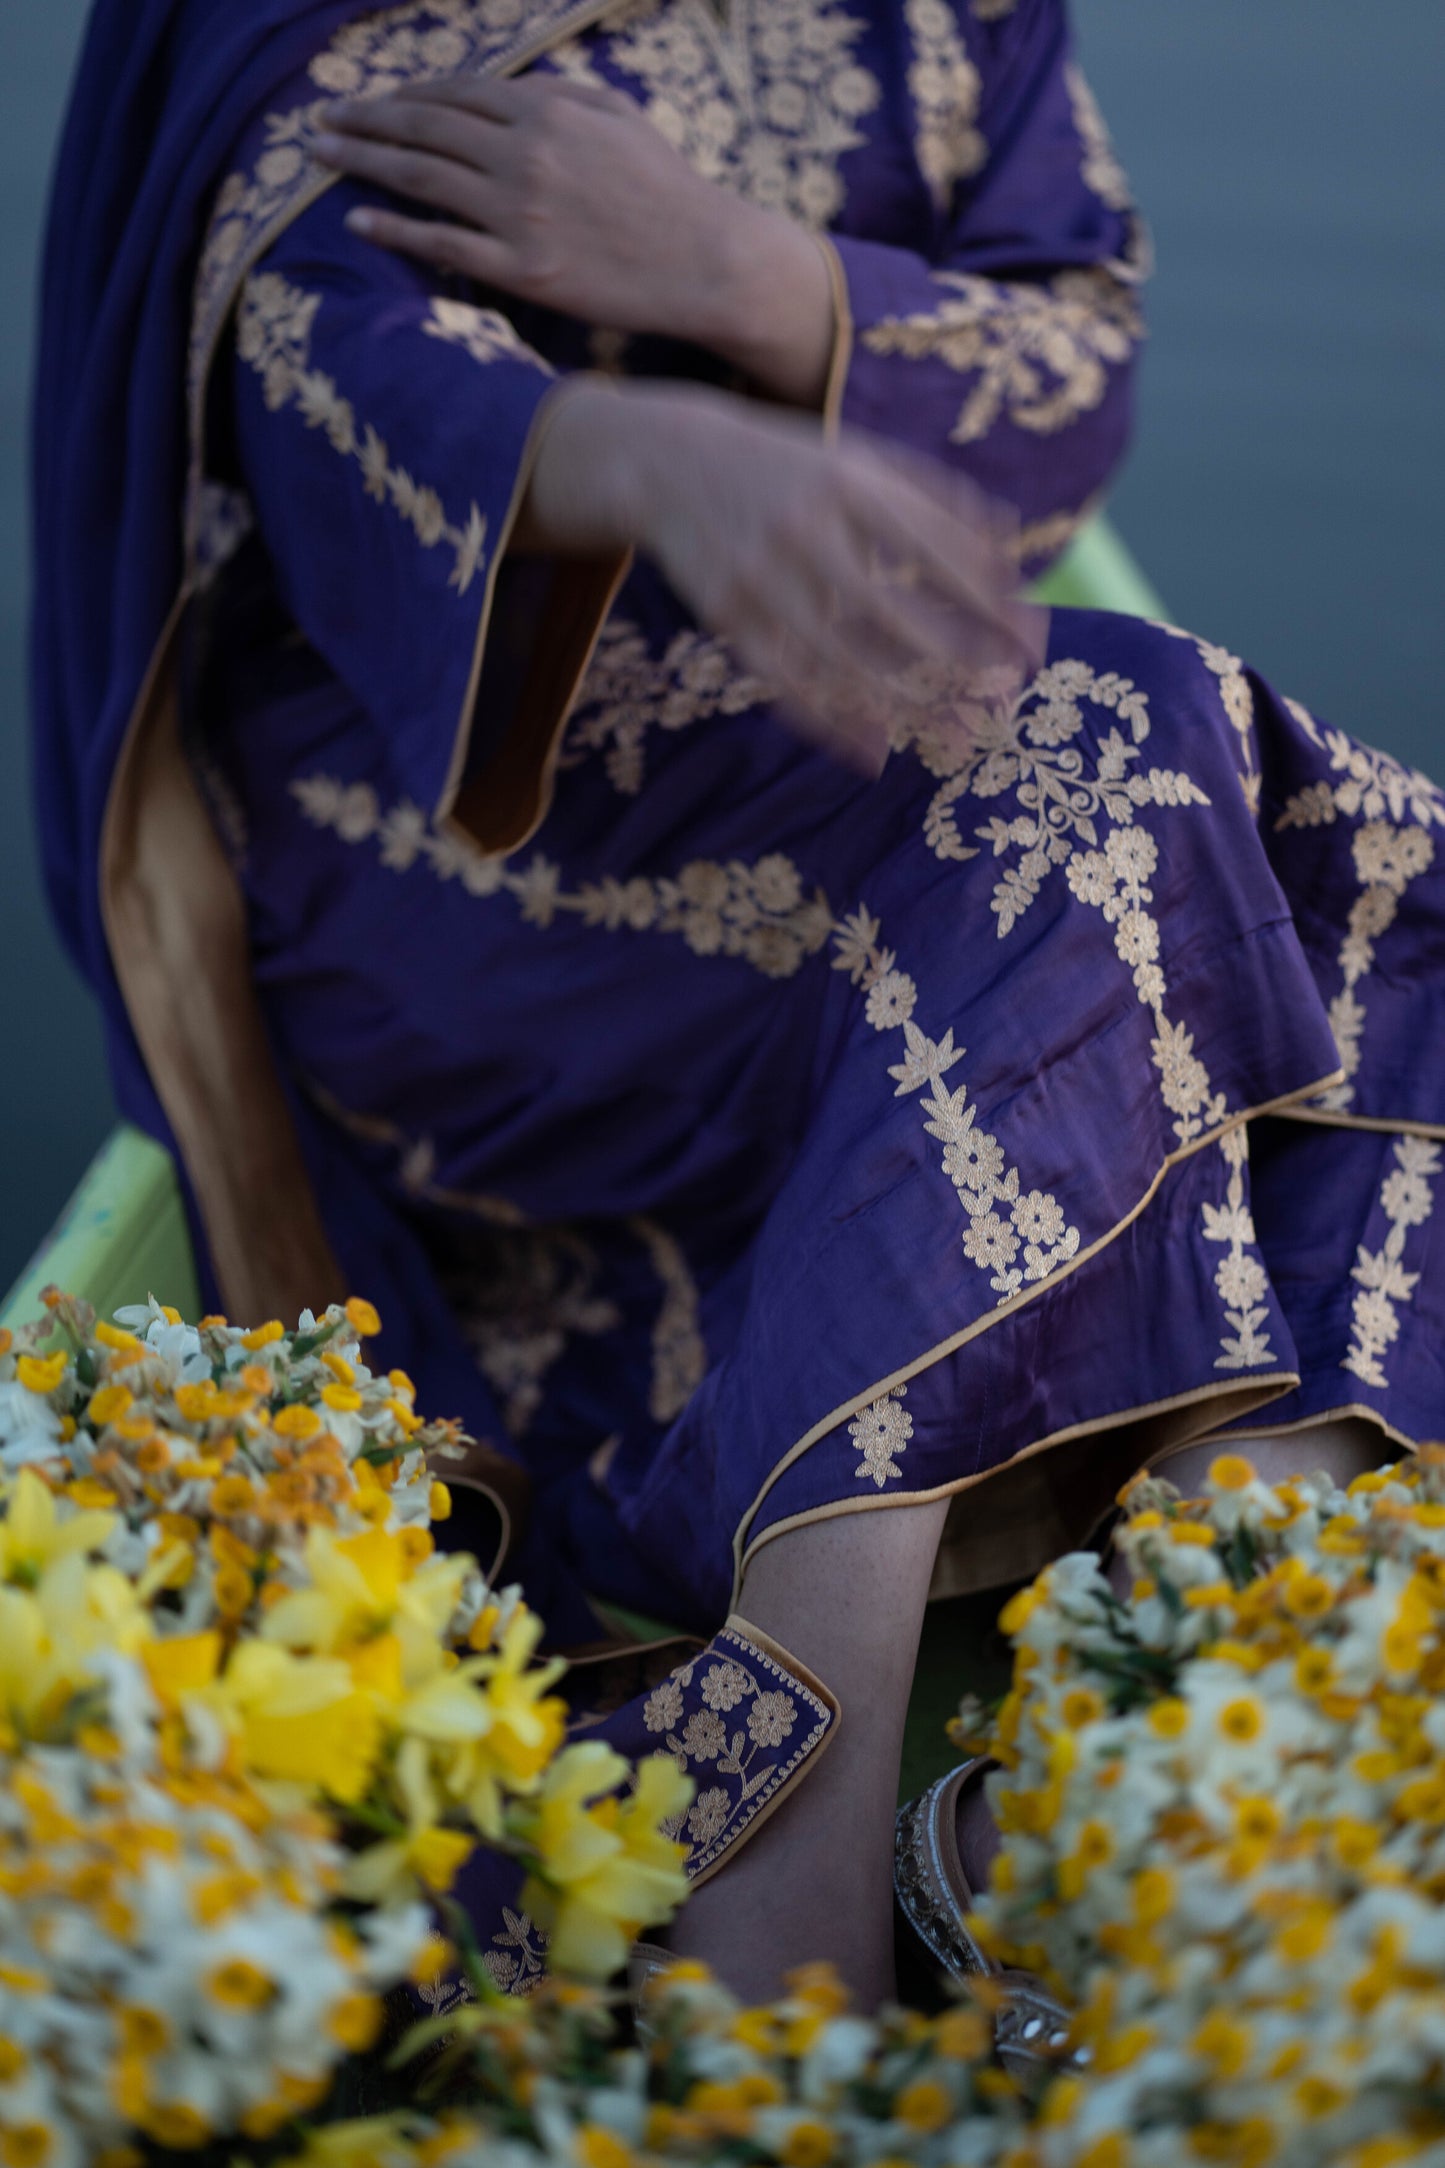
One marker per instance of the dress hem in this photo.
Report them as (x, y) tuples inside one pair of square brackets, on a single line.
[(744, 1550)]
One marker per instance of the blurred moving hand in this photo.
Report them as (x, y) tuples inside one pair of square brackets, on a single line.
[(833, 568)]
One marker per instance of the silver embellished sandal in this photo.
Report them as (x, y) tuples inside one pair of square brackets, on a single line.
[(1031, 2029)]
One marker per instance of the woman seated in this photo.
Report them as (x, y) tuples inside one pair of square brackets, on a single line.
[(826, 1069)]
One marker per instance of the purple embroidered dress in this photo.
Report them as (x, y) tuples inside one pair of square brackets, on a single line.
[(786, 1144), (737, 1141)]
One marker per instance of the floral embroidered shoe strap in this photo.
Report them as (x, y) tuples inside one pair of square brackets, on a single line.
[(746, 1721), (742, 1717)]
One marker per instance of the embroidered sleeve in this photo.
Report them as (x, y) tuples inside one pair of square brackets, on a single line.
[(1008, 346), (385, 434)]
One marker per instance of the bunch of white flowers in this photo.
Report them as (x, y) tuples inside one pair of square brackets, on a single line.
[(1223, 1805), (252, 1725)]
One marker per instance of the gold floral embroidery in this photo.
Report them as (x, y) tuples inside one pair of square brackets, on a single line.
[(973, 1159), (765, 100), (486, 334), (983, 742), (629, 691), (1237, 699), (273, 336), (1407, 1201), (945, 87), (1048, 537), (1399, 806), (992, 11), (752, 1711), (679, 1353), (880, 1431), (1240, 1280), (520, 1302), (517, 1961), (1366, 783), (759, 913), (1102, 173), (364, 59), (1040, 354)]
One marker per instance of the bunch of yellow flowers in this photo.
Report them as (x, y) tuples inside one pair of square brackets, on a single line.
[(252, 1724), (802, 2083), (1223, 1806)]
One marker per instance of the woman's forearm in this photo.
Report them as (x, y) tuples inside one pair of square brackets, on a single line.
[(764, 302)]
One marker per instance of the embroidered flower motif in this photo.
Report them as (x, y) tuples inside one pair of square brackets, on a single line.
[(973, 1160), (891, 1001), (1240, 1280), (663, 1706), (274, 324), (629, 692), (704, 1735), (989, 1243), (724, 1686), (880, 1431), (772, 1718), (1407, 1200), (764, 101), (1038, 1219), (1039, 355), (708, 1817)]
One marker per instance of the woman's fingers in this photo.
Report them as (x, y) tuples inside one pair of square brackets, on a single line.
[(961, 559), (421, 176), (457, 249)]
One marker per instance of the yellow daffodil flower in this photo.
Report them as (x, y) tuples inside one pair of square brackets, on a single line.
[(604, 1867), (38, 1529)]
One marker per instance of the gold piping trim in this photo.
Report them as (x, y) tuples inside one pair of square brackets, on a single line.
[(604, 577), (1324, 1118), (507, 62), (1354, 1408), (1255, 1392), (841, 360), (807, 1757), (954, 1341), (244, 1161)]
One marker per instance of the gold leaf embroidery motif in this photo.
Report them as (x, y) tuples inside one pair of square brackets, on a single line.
[(383, 51), (879, 1431), (273, 336), (946, 89), (628, 691), (1407, 1201), (679, 1354), (1238, 702), (520, 1304), (992, 11), (1040, 354), (486, 334), (759, 913), (973, 1159), (1050, 536), (752, 1712), (765, 101), (1240, 1279), (517, 1960), (1102, 173), (1399, 806), (762, 914), (984, 742)]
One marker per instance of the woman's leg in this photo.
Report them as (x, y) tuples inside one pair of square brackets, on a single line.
[(846, 1597), (1344, 1449)]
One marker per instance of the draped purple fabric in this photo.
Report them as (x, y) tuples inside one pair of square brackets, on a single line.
[(753, 1143)]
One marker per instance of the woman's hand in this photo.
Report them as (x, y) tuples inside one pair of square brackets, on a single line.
[(568, 197), (832, 569)]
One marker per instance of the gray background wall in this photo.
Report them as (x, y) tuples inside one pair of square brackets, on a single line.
[(1284, 493)]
